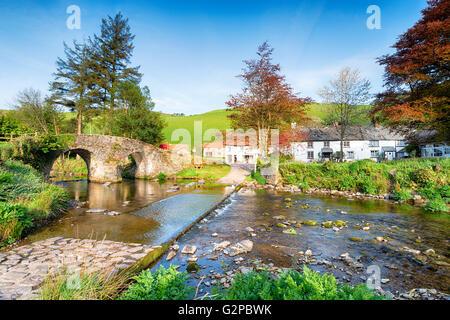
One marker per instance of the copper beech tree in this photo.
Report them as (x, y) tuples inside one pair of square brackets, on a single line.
[(417, 75), (266, 102)]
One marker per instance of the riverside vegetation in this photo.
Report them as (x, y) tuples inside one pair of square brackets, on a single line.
[(171, 284), (405, 179), (25, 200)]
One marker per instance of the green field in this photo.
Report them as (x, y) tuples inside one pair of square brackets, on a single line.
[(216, 119)]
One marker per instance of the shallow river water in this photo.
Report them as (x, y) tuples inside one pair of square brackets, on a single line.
[(152, 213)]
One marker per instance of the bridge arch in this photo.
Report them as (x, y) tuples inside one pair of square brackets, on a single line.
[(105, 157)]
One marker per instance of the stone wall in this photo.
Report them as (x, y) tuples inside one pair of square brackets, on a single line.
[(106, 155)]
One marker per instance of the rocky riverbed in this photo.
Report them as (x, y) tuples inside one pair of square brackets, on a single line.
[(347, 238)]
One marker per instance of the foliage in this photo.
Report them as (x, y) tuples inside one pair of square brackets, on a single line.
[(37, 114), (293, 285), (344, 99), (112, 50), (74, 82), (266, 101), (416, 75), (14, 218), (402, 195), (256, 175), (162, 284), (161, 176), (37, 150), (69, 167), (437, 205), (366, 176), (135, 118), (24, 199), (10, 125), (83, 285)]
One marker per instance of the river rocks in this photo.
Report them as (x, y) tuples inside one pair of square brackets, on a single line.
[(311, 223), (192, 259), (308, 253), (281, 225), (356, 239), (189, 249), (175, 247), (171, 255), (241, 247), (430, 252), (249, 229), (279, 217), (112, 213), (350, 261), (221, 246), (291, 232), (215, 235), (96, 211), (192, 267)]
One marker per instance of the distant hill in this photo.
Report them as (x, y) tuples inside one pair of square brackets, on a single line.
[(216, 119)]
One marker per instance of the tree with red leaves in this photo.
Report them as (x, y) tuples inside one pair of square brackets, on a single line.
[(266, 101), (417, 76)]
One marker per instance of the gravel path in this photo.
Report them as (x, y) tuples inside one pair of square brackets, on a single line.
[(237, 175)]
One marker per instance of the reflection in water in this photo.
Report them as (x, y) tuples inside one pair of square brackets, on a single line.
[(150, 213)]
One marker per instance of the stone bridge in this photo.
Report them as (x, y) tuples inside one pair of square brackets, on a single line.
[(105, 157)]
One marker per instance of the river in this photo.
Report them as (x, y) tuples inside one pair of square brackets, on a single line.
[(152, 213)]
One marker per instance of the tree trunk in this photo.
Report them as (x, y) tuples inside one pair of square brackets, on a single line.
[(79, 122)]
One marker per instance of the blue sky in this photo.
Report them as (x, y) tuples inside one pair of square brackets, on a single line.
[(191, 51)]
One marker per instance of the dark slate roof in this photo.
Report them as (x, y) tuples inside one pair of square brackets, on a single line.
[(353, 133)]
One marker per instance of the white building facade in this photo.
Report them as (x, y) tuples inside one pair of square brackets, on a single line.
[(323, 144)]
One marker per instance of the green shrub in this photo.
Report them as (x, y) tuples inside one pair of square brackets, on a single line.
[(292, 285), (437, 205), (163, 284), (14, 218), (424, 176), (402, 195), (256, 175), (161, 176)]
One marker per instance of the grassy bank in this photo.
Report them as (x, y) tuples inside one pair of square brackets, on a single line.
[(69, 168), (213, 172), (428, 178), (25, 200)]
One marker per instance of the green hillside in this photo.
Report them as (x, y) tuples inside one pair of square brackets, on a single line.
[(216, 119)]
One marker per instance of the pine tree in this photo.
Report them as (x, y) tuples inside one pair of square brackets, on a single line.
[(113, 49), (73, 86)]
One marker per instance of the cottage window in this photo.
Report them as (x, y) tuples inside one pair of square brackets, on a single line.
[(310, 155), (374, 143), (209, 154), (351, 155), (374, 153), (310, 145), (346, 144), (326, 143)]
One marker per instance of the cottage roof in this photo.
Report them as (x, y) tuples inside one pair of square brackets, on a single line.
[(353, 133)]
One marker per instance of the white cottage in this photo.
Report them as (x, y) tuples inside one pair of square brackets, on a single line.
[(430, 145), (323, 144), (240, 150)]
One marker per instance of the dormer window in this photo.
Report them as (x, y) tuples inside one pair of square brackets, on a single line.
[(310, 145)]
